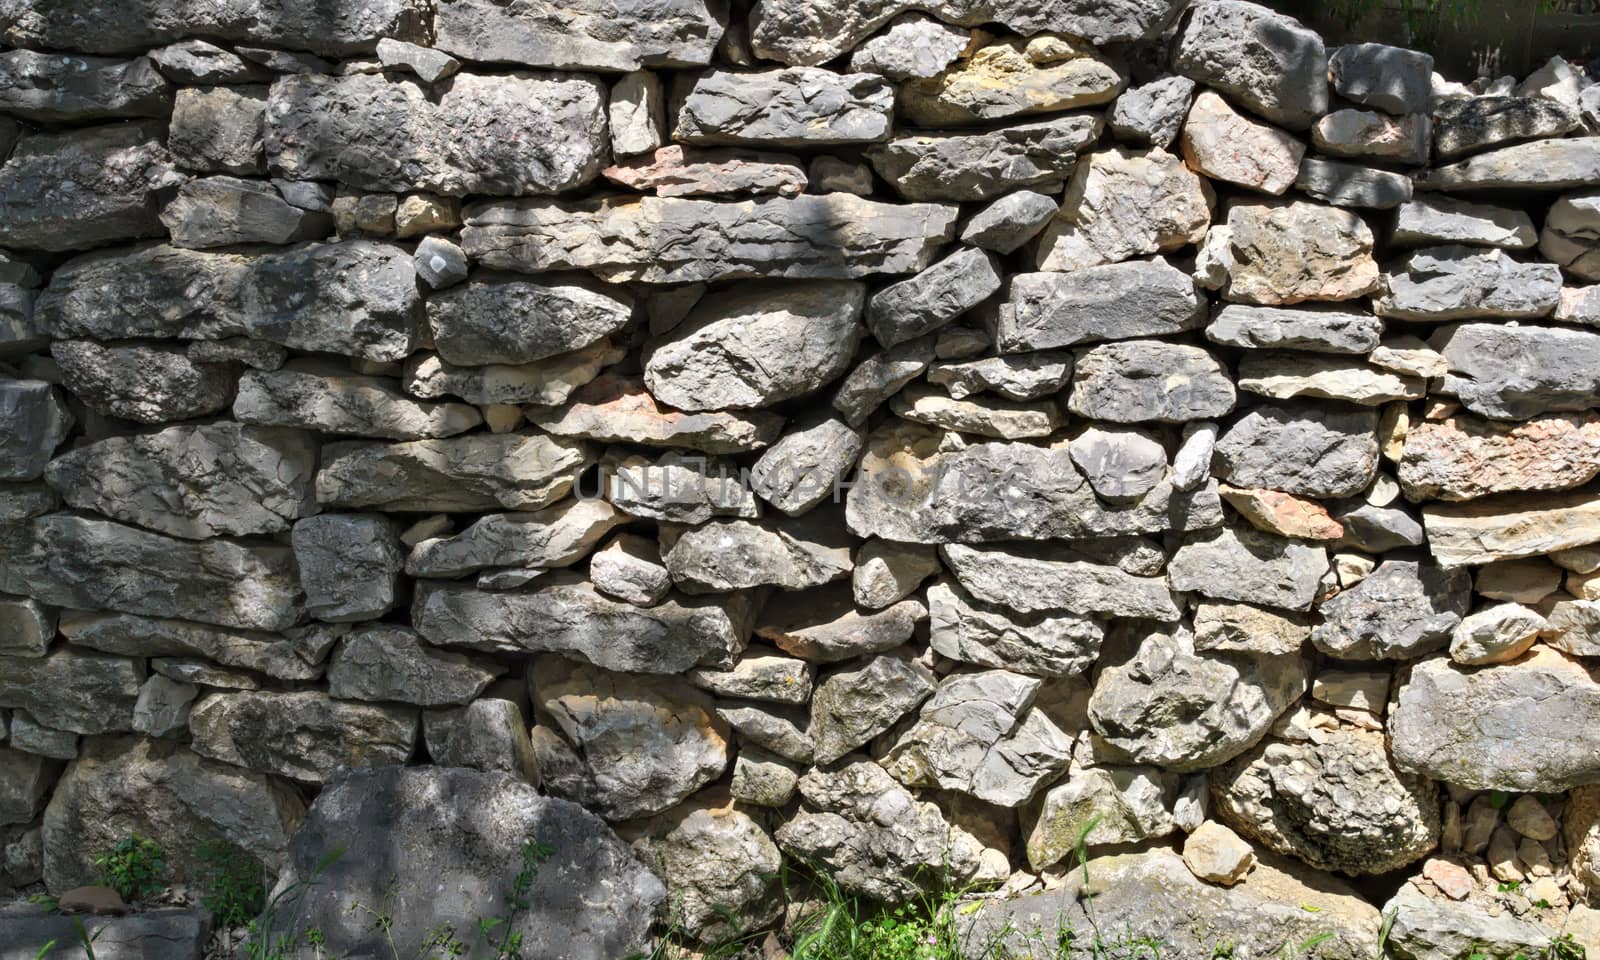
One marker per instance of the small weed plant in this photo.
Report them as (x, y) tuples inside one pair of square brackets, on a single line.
[(135, 868)]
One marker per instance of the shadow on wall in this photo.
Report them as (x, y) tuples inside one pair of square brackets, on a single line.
[(1487, 38)]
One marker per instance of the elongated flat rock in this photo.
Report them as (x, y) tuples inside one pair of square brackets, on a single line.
[(563, 614), (501, 318), (673, 240), (1514, 373), (50, 88), (285, 657), (1116, 301), (1030, 585), (556, 536), (619, 409), (959, 165), (471, 473), (369, 132), (1314, 329), (1464, 457), (792, 107), (83, 188), (313, 397), (1465, 283), (1012, 77), (1543, 165), (585, 35), (1510, 527)]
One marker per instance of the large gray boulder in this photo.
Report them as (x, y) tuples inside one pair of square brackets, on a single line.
[(1119, 301), (329, 29), (357, 298), (444, 846), (677, 240), (981, 165), (564, 614), (121, 786), (1301, 448), (1519, 372), (142, 382), (1472, 726), (377, 134), (90, 564), (791, 107), (304, 735), (588, 35), (471, 473), (1337, 802), (73, 690), (84, 188), (1174, 708), (497, 318), (50, 88), (196, 482), (1266, 61), (757, 345)]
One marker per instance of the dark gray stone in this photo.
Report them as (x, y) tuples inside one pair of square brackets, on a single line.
[(908, 309), (162, 934), (1352, 185), (1009, 222), (1301, 448), (35, 420), (1264, 60), (472, 473), (1140, 298), (587, 35), (53, 88), (1314, 329), (1138, 381), (958, 165), (1516, 373), (224, 211), (84, 188), (1476, 124), (143, 382), (1392, 79), (792, 107), (1152, 113), (1404, 609)]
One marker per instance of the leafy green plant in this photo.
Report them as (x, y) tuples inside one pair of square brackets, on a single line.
[(277, 930), (134, 868), (234, 884)]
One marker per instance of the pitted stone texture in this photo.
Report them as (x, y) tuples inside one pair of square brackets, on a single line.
[(296, 655), (1122, 204), (504, 136), (642, 743), (1473, 726), (147, 383), (721, 869), (564, 614), (1279, 255), (303, 734), (327, 398), (1462, 283), (462, 474), (74, 691), (36, 421), (549, 381), (356, 298), (83, 188), (1511, 527), (1044, 73), (913, 46), (1516, 373), (675, 240), (1338, 804), (1301, 448), (1139, 381), (1126, 804), (220, 129), (757, 345), (852, 706), (1028, 585), (581, 36), (1328, 329), (1152, 113), (1111, 302), (1045, 644), (791, 107), (1263, 59), (51, 88), (981, 165), (619, 409), (498, 318), (388, 663), (195, 482), (1222, 143), (1463, 127), (1465, 457), (349, 565), (1404, 609), (1247, 566), (725, 555), (1228, 701)]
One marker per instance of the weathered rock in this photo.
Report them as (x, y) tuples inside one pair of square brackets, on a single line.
[(194, 482), (564, 614), (1284, 376), (440, 263), (636, 114), (1510, 527), (1247, 566), (763, 779), (36, 421), (782, 730), (1048, 645), (1392, 79), (1216, 854), (26, 628), (1300, 449), (620, 409), (296, 656), (1125, 804), (356, 298), (1328, 329), (376, 134), (548, 381), (51, 88), (589, 897), (202, 62), (758, 676), (880, 376), (1460, 283), (721, 869), (736, 554), (1283, 514), (1405, 609), (1351, 185), (680, 488), (823, 626), (629, 568), (83, 188), (672, 171), (644, 743), (1009, 222), (1278, 906), (912, 46), (911, 308), (1571, 235), (1568, 164), (224, 211), (955, 165), (19, 334), (220, 129), (1121, 466), (888, 572), (757, 346), (1191, 465), (1139, 381), (322, 397), (1517, 373), (1375, 136), (852, 706), (1463, 458), (1428, 929), (792, 107), (74, 691), (487, 734), (471, 473), (1029, 585), (1026, 376), (873, 835), (28, 782), (1574, 627), (1226, 145), (148, 383), (1240, 628), (303, 734), (1263, 59), (557, 536), (1229, 700), (470, 322), (349, 565), (159, 932), (1337, 803), (583, 36), (1476, 124), (1297, 252), (802, 470), (126, 785), (386, 663), (29, 737), (1044, 73), (674, 240), (1111, 302), (911, 491), (1430, 219), (1121, 204), (1496, 634), (984, 417), (1152, 113)]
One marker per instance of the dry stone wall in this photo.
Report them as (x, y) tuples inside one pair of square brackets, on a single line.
[(894, 436)]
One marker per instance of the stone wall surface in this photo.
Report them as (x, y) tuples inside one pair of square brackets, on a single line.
[(896, 437)]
